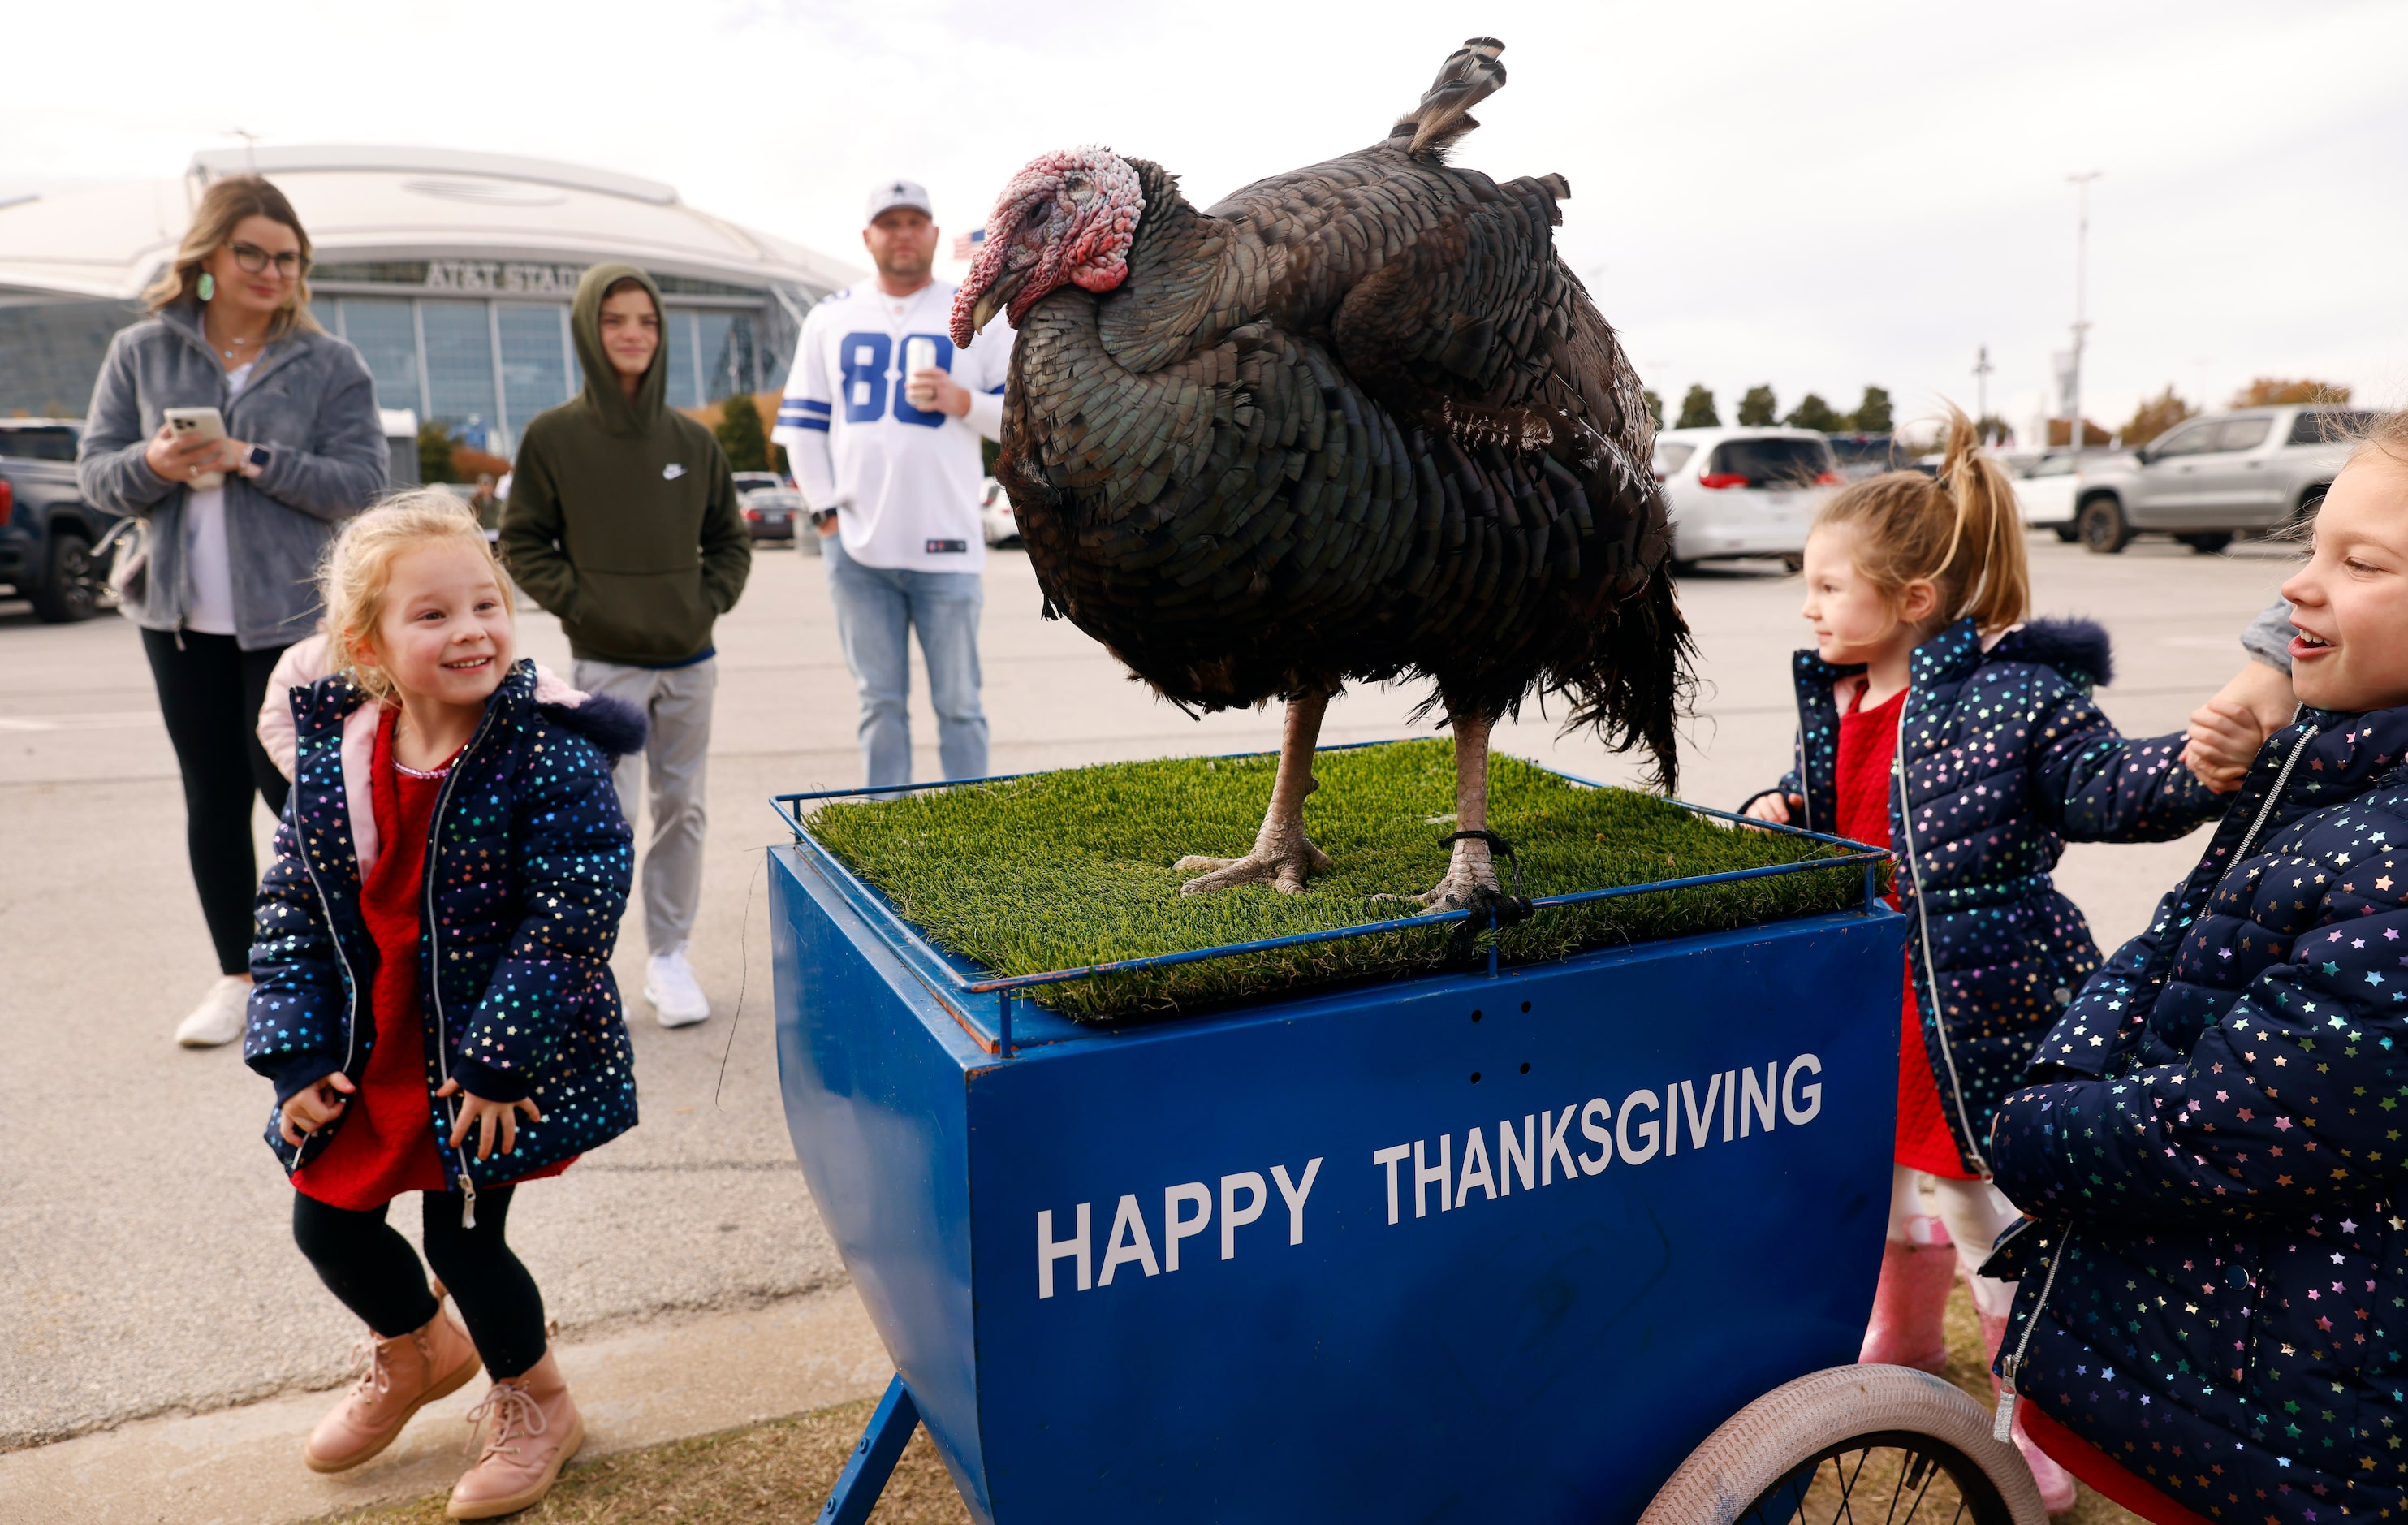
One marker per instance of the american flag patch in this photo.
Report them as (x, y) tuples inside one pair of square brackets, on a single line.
[(967, 244)]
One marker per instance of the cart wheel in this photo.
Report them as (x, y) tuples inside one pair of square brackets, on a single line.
[(1853, 1443)]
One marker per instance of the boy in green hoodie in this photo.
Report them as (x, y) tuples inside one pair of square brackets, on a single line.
[(623, 519)]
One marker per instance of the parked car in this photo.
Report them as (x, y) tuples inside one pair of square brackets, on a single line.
[(2045, 489), (47, 529), (775, 514), (756, 482), (2209, 479), (995, 512), (1862, 456), (1743, 492)]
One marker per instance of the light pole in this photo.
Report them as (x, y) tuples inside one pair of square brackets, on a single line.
[(1982, 368), (2081, 322)]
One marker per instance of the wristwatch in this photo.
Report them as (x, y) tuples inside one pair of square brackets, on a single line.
[(256, 462)]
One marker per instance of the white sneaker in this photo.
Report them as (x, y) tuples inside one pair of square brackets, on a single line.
[(220, 1016), (669, 985)]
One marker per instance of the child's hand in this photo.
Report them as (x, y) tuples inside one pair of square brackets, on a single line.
[(1775, 807), (313, 1109), (488, 1118), (2224, 739)]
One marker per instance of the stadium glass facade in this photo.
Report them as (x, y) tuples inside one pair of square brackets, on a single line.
[(480, 365), (483, 346), (450, 271)]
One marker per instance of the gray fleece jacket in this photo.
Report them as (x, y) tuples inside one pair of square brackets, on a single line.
[(310, 401)]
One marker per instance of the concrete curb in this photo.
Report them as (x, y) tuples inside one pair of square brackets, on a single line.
[(643, 1386)]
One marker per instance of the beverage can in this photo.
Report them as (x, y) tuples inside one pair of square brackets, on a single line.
[(919, 355)]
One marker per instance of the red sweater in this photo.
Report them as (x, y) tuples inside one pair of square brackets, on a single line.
[(1867, 740)]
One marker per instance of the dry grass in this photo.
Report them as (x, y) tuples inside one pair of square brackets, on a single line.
[(1876, 1483), (781, 1471), (775, 1471)]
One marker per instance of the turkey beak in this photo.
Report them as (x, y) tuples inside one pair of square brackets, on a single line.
[(998, 296)]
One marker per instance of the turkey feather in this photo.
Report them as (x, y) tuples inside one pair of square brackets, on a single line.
[(1353, 424)]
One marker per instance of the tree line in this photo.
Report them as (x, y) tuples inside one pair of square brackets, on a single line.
[(2158, 414), (1758, 409)]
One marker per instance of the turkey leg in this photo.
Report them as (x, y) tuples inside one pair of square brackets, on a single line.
[(1469, 869), (1283, 854)]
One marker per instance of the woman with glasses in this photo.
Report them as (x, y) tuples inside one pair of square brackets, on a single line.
[(237, 523)]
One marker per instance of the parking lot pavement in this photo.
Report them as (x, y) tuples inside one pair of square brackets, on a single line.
[(143, 1238)]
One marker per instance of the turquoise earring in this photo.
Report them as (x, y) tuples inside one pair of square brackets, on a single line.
[(209, 287)]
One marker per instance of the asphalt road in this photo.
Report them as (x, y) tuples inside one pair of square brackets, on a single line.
[(144, 1248)]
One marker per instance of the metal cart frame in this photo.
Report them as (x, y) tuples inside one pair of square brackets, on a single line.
[(1656, 1171)]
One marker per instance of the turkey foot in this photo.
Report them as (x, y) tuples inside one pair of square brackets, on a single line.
[(1470, 870), (1282, 856)]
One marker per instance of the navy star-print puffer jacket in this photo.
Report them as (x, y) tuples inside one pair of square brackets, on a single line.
[(2006, 758), (527, 871), (2216, 1151)]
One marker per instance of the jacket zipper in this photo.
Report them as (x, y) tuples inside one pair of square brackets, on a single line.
[(2273, 796), (350, 981), (433, 953), (1805, 785), (1930, 970), (2001, 1426), (2166, 954)]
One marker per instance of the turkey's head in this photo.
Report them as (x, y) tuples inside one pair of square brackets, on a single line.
[(1068, 217)]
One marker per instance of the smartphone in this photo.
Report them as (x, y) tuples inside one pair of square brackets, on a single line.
[(198, 424)]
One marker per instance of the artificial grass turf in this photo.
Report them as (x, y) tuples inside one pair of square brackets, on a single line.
[(1066, 868)]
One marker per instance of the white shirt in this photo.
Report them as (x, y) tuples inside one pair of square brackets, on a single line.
[(209, 565), (907, 480)]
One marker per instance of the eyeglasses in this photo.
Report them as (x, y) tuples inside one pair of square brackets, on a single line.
[(290, 265)]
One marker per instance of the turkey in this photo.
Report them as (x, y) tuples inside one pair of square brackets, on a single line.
[(1355, 424)]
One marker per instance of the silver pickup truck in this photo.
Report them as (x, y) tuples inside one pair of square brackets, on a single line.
[(2207, 480)]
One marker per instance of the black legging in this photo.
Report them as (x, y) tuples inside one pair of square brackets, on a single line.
[(209, 693), (366, 1263)]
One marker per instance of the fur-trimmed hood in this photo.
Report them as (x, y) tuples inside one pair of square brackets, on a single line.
[(615, 727), (2078, 648), (334, 702), (609, 725)]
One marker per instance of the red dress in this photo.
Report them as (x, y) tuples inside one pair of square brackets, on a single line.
[(386, 1144), (1868, 741)]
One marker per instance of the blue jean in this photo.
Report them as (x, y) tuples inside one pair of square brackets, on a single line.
[(876, 610)]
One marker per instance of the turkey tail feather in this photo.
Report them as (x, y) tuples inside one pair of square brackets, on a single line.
[(1637, 679), (1471, 75)]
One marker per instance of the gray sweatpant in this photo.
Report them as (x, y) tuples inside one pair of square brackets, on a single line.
[(676, 703)]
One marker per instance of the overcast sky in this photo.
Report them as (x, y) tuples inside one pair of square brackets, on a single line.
[(1818, 197)]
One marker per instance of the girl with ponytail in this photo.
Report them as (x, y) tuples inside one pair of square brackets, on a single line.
[(1935, 716)]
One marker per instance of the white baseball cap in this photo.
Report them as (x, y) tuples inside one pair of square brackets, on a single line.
[(896, 194)]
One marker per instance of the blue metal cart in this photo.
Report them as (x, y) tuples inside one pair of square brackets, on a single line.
[(1516, 1244)]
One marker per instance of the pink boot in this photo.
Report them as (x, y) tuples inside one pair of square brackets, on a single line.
[(1911, 1301), (2055, 1483), (398, 1377), (534, 1429)]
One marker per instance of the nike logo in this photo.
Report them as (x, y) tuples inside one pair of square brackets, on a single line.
[(672, 471)]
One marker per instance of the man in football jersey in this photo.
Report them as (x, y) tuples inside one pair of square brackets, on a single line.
[(881, 419)]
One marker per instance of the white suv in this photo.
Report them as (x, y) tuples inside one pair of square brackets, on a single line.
[(1743, 492)]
